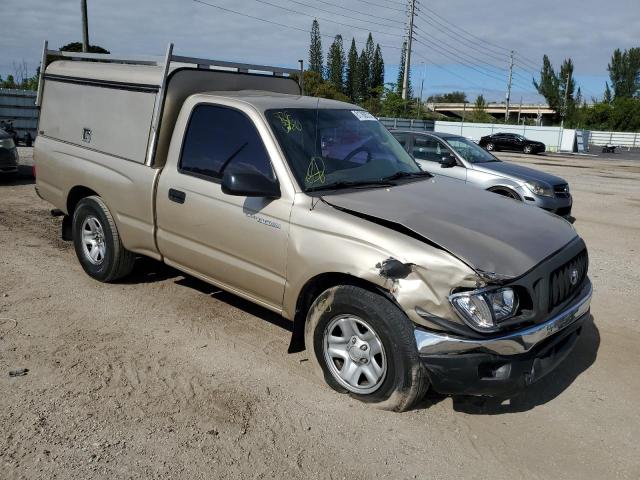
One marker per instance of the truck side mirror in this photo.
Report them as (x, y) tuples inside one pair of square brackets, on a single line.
[(250, 184), (448, 161)]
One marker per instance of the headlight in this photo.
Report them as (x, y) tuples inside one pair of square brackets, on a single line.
[(7, 143), (541, 189), (483, 309)]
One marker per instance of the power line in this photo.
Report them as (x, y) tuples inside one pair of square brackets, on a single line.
[(432, 62), (290, 27), (403, 10), (339, 14), (357, 11), (324, 19)]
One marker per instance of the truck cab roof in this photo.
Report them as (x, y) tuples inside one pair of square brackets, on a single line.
[(263, 100)]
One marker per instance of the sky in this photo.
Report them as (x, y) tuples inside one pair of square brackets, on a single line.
[(460, 44)]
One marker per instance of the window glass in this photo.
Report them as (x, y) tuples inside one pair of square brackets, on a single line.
[(220, 138), (401, 138), (428, 148), (327, 148), (470, 151)]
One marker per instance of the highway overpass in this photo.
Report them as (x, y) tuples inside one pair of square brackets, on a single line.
[(541, 113)]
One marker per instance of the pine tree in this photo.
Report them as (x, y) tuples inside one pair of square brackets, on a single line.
[(352, 72), (315, 49), (624, 72), (548, 84), (608, 97), (377, 70), (399, 83), (362, 77), (369, 49), (335, 63)]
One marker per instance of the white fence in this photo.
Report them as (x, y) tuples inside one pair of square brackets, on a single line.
[(622, 139), (555, 138)]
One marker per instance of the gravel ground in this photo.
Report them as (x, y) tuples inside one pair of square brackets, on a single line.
[(163, 376)]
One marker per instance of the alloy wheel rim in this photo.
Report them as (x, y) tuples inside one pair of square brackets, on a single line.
[(93, 241), (354, 354)]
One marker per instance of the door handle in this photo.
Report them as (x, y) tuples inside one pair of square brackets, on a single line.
[(177, 195)]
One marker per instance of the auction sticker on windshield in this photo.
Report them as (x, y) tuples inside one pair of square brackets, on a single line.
[(362, 115)]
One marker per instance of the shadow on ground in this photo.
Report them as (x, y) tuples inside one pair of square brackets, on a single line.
[(23, 177)]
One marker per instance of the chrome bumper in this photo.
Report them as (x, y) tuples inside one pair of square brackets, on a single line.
[(432, 343)]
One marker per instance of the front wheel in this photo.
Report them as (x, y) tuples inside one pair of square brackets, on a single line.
[(490, 147), (97, 242), (363, 345), (528, 149)]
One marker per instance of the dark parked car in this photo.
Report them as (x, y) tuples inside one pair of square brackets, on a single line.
[(511, 141), (8, 154)]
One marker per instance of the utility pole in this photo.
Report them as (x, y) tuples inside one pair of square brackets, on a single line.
[(85, 26), (424, 74), (520, 110), (506, 112), (407, 60), (566, 99)]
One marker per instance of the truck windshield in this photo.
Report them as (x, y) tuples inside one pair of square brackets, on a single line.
[(470, 151), (332, 148)]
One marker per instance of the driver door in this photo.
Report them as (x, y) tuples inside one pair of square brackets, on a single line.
[(429, 152), (236, 242)]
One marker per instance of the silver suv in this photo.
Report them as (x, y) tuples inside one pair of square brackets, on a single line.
[(462, 160)]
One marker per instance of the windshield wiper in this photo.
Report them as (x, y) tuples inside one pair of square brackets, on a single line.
[(352, 184), (399, 175)]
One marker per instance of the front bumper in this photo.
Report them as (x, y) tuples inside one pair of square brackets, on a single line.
[(505, 364), (558, 205)]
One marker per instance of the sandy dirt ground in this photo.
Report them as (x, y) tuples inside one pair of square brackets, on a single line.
[(163, 376)]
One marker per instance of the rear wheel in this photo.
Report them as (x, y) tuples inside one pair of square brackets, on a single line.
[(490, 147), (97, 242), (363, 345)]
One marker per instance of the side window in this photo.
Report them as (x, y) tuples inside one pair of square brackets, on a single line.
[(221, 137), (401, 138), (428, 148)]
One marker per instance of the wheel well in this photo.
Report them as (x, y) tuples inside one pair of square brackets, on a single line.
[(506, 191), (310, 292), (76, 194)]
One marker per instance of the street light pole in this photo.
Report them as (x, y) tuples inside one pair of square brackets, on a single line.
[(85, 26)]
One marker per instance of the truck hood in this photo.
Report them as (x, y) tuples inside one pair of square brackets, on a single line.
[(490, 233), (518, 172)]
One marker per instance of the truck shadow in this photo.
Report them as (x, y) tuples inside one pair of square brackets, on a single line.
[(23, 177), (546, 389)]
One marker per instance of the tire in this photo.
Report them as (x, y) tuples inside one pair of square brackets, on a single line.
[(490, 147), (528, 149), (97, 242), (387, 333), (505, 192)]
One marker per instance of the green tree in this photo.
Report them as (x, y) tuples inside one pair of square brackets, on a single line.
[(315, 49), (400, 81), (352, 72), (362, 77), (77, 47), (335, 63), (450, 97), (566, 89), (624, 72), (479, 112), (369, 50), (608, 97), (377, 72), (548, 84)]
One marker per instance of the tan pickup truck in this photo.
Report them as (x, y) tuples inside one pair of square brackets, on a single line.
[(394, 281)]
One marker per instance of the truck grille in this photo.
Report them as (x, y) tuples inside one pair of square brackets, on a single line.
[(565, 280), (561, 191)]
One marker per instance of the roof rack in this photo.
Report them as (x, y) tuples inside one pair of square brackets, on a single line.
[(165, 63)]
